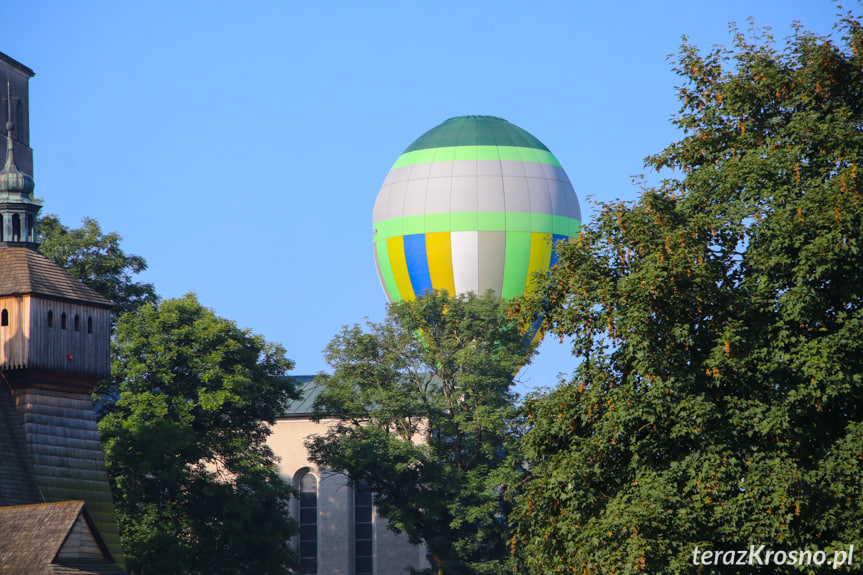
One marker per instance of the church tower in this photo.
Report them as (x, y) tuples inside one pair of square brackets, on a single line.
[(54, 348)]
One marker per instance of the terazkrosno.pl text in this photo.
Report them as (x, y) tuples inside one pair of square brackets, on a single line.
[(760, 555)]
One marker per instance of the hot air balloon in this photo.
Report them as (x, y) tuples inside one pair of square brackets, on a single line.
[(473, 204)]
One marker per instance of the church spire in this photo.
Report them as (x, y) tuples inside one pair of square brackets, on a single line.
[(18, 208)]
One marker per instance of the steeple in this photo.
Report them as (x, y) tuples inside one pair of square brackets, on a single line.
[(55, 336), (18, 208)]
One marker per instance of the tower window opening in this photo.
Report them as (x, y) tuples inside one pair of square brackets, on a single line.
[(20, 124), (16, 228), (50, 318), (309, 523), (90, 324), (63, 320), (77, 322), (2, 225), (363, 530), (31, 228), (4, 317)]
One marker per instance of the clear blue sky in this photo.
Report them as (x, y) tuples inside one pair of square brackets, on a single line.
[(239, 146)]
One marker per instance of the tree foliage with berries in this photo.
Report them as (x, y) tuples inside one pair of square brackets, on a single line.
[(718, 401)]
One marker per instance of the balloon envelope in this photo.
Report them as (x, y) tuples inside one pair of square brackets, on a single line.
[(473, 204)]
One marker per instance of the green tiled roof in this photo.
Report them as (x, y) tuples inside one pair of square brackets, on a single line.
[(309, 391)]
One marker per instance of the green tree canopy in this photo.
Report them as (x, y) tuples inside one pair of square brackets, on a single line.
[(719, 396), (195, 486), (98, 260), (426, 419)]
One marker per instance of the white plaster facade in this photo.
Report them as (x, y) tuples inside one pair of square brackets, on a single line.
[(392, 553)]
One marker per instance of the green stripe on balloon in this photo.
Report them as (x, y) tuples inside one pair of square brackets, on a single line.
[(515, 270), (386, 270), (517, 222), (498, 153), (413, 225), (480, 221), (490, 221), (542, 223)]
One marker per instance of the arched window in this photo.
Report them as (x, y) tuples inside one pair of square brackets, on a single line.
[(363, 530), (309, 523), (4, 317), (16, 228), (90, 324), (50, 318), (77, 322), (63, 320)]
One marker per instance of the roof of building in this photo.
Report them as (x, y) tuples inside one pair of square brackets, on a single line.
[(15, 185), (16, 64), (17, 486), (309, 391), (27, 271), (32, 538), (84, 567)]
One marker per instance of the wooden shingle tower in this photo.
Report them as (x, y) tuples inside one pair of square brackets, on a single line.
[(54, 348)]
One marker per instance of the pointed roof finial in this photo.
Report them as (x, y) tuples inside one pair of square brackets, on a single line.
[(13, 180), (9, 124)]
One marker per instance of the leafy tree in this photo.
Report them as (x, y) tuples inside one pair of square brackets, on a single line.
[(98, 260), (426, 419), (195, 485), (718, 402)]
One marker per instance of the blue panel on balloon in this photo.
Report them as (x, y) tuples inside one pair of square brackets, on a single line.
[(554, 239), (418, 265), (530, 332)]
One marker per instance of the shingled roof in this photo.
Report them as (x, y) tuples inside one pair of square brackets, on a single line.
[(17, 486), (44, 539), (27, 271)]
